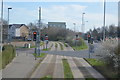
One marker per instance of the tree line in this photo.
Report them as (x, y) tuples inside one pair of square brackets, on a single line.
[(111, 31)]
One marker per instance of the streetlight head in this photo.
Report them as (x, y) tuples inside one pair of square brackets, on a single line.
[(9, 8), (74, 23), (83, 13)]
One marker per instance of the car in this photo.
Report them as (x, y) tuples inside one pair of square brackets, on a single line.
[(29, 39)]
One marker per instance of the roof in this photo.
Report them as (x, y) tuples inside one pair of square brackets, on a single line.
[(17, 25), (56, 22)]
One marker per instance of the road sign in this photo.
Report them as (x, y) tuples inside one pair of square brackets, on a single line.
[(77, 38), (46, 40), (91, 49)]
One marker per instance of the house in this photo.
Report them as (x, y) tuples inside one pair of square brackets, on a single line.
[(5, 33), (18, 31), (57, 24)]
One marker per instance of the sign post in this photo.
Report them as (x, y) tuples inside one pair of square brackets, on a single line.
[(76, 40), (37, 38), (91, 47), (46, 40)]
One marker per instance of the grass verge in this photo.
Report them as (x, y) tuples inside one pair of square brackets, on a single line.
[(48, 49), (0, 61), (67, 71), (61, 46), (56, 45), (90, 79), (47, 78), (101, 66), (82, 47), (7, 55), (41, 55), (66, 45)]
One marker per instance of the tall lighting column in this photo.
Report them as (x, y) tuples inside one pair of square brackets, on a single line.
[(8, 27), (104, 20), (1, 26)]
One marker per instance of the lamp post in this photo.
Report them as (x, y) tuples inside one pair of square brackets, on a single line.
[(104, 20), (83, 26), (1, 26), (74, 26), (83, 23), (8, 27)]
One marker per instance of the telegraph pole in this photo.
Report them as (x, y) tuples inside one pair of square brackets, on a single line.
[(1, 27)]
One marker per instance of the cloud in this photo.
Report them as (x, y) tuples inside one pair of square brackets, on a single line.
[(61, 13), (67, 13), (60, 0)]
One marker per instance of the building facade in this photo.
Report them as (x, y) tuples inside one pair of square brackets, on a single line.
[(57, 24), (18, 30)]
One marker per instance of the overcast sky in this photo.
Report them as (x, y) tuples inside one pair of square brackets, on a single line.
[(69, 12)]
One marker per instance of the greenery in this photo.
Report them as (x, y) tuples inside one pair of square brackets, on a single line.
[(95, 62), (90, 79), (46, 49), (80, 47), (61, 46), (65, 44), (46, 78), (8, 54), (41, 55), (0, 61), (111, 31), (41, 43), (67, 70), (56, 45), (102, 67)]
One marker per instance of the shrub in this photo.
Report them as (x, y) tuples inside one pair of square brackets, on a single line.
[(110, 51), (7, 55)]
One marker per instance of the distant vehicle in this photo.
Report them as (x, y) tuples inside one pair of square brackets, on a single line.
[(29, 39)]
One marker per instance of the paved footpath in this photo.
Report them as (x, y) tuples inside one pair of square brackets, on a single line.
[(21, 66), (0, 74)]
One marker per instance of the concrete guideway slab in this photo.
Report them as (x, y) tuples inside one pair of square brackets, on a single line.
[(53, 47), (64, 47), (91, 70), (58, 46), (41, 69), (82, 68), (58, 71), (76, 72)]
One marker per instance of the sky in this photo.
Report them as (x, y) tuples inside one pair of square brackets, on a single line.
[(69, 12)]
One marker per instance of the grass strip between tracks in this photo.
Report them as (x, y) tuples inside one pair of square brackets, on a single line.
[(67, 71), (61, 46)]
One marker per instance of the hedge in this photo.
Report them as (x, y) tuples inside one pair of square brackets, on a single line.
[(8, 54)]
